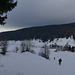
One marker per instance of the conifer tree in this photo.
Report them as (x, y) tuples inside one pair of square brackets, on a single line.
[(5, 6)]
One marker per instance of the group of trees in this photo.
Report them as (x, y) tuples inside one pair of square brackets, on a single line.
[(65, 48), (69, 48), (25, 46), (45, 32), (44, 52)]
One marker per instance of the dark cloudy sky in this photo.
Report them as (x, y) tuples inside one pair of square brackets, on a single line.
[(40, 12)]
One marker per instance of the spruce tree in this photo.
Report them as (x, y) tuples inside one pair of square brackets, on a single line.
[(5, 6)]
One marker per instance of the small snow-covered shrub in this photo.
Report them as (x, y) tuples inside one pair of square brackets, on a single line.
[(32, 51)]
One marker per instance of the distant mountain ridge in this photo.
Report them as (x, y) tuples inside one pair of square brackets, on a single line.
[(41, 32)]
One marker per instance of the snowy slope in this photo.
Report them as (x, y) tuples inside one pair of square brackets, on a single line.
[(33, 64)]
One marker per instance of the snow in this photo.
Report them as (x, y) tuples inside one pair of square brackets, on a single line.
[(32, 64), (63, 41)]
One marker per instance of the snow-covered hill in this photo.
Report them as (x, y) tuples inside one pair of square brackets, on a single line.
[(32, 64)]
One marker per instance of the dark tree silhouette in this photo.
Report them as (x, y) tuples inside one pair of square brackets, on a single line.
[(5, 6)]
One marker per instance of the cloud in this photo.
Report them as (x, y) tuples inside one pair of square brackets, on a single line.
[(41, 12)]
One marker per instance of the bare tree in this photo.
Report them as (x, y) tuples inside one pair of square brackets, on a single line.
[(28, 45), (17, 49), (4, 45), (23, 47), (45, 52)]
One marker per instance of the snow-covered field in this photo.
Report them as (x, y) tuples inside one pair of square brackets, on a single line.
[(32, 64)]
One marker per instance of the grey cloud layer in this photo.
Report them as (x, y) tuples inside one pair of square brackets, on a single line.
[(41, 12)]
